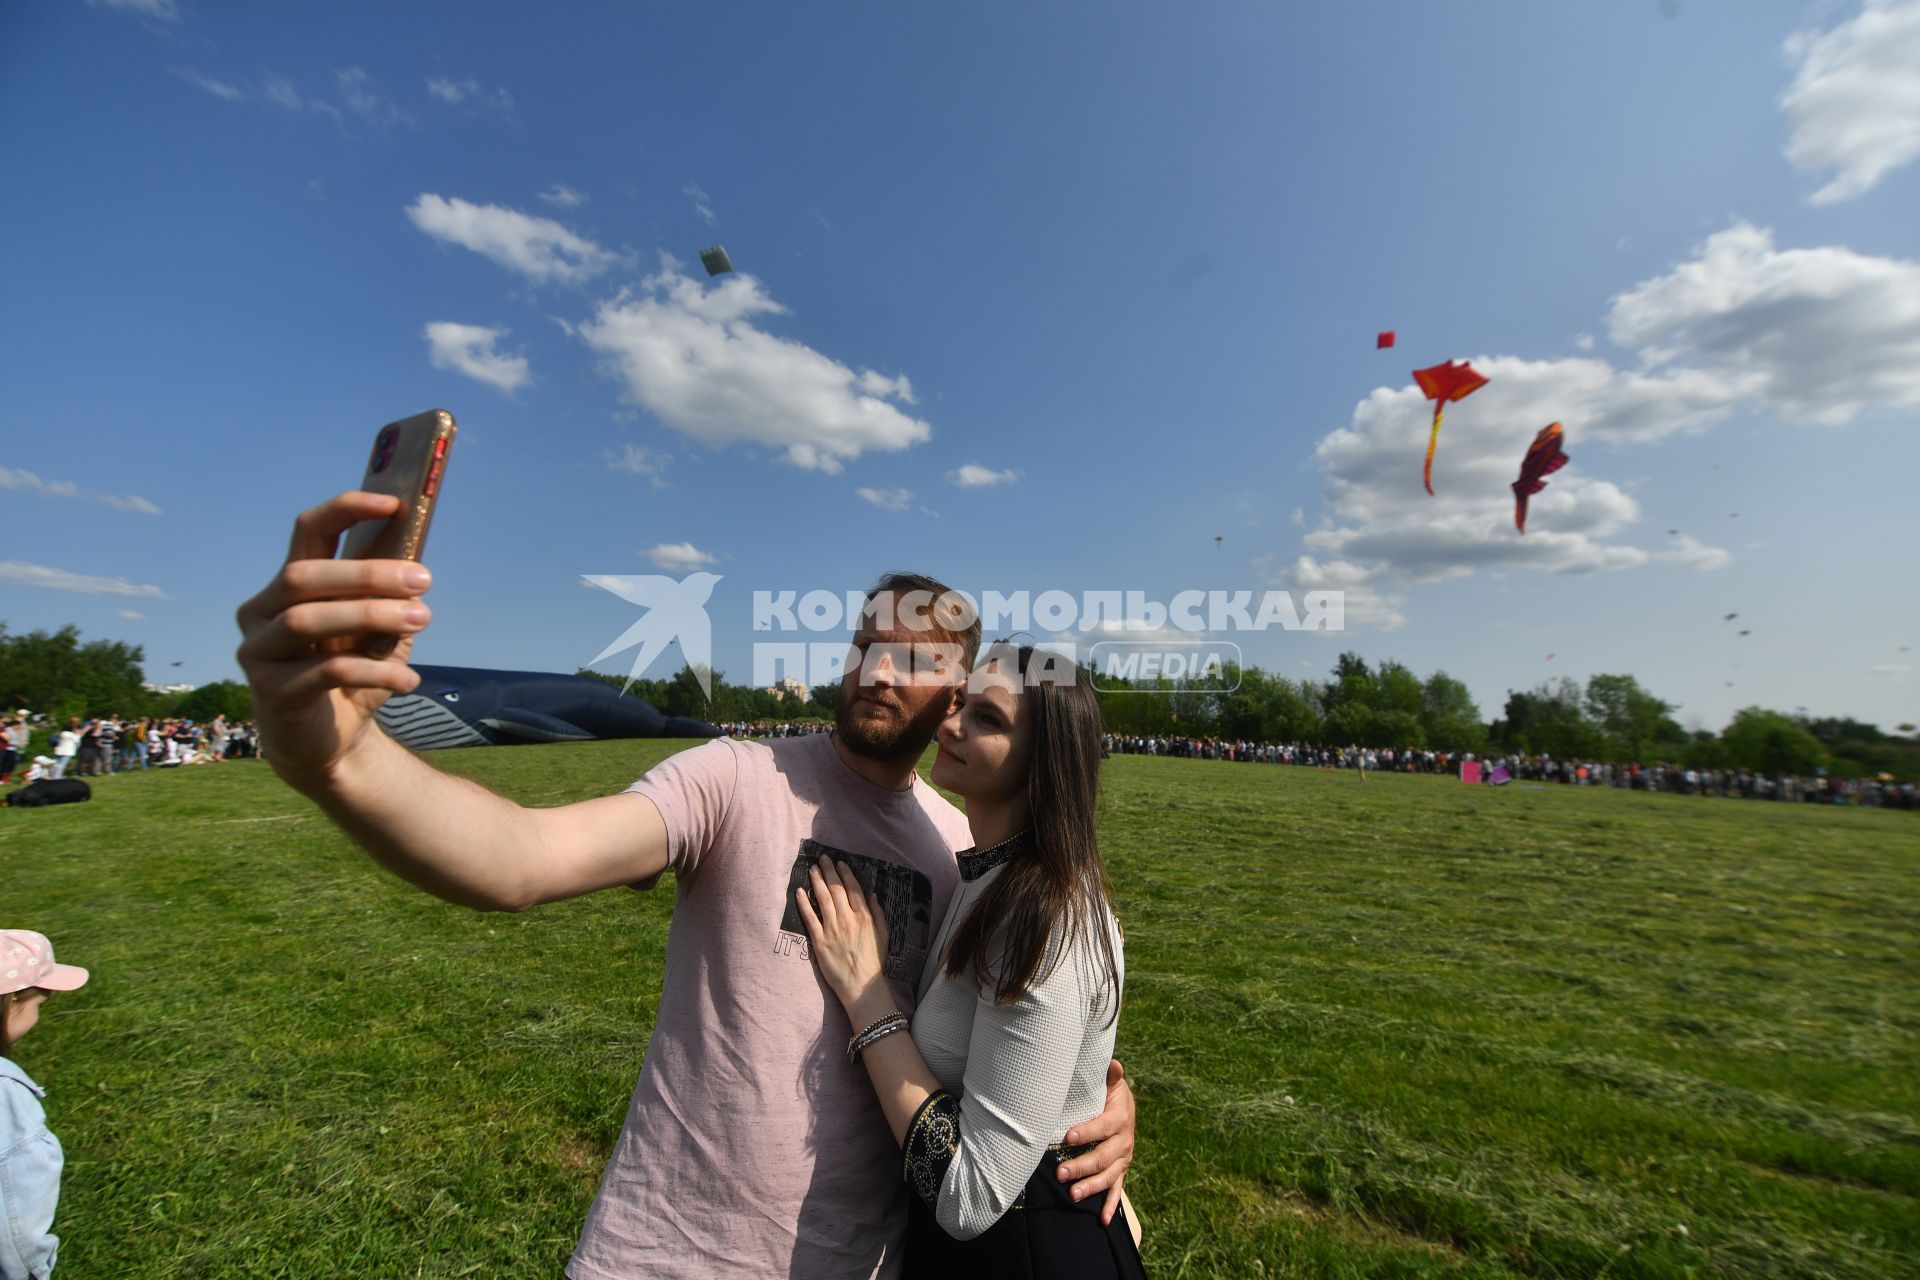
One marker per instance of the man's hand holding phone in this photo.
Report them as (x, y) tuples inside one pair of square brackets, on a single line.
[(314, 691), (326, 643)]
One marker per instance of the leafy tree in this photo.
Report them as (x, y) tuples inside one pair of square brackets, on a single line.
[(1632, 721), (683, 695), (1772, 743), (1349, 724), (826, 697), (1397, 689), (1550, 720), (227, 698), (54, 673), (1450, 716), (1397, 729)]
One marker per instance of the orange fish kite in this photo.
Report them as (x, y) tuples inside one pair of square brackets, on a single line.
[(1454, 380)]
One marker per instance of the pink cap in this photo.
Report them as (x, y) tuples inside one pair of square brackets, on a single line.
[(26, 960)]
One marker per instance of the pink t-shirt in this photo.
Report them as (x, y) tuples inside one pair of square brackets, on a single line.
[(751, 1147)]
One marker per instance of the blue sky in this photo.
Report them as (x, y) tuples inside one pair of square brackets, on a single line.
[(1135, 254)]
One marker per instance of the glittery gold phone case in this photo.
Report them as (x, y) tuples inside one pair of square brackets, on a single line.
[(409, 461)]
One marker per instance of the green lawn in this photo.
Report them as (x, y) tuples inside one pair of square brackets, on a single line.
[(1406, 1028)]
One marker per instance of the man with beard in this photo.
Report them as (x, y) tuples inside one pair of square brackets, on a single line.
[(752, 1147)]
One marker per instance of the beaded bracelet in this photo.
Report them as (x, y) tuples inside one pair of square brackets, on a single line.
[(877, 1022), (878, 1029)]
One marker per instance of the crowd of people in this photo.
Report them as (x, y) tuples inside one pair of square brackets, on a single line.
[(100, 745), (1744, 784), (774, 728)]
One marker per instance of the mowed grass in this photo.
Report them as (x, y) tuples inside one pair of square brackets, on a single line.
[(1405, 1028)]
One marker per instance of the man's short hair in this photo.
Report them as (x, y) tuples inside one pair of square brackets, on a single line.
[(950, 618)]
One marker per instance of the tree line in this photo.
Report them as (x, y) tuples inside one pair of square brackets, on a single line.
[(1610, 717)]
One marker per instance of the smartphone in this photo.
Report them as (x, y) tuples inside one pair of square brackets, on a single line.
[(409, 461)]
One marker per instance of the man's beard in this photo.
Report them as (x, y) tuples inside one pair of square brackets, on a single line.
[(891, 742)]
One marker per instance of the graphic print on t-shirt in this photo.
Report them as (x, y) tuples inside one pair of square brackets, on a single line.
[(906, 896)]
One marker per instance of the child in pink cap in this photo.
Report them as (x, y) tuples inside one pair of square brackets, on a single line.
[(30, 1157)]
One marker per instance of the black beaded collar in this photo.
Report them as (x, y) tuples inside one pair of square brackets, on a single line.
[(975, 863)]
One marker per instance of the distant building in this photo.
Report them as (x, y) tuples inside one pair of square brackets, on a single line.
[(168, 688), (791, 687)]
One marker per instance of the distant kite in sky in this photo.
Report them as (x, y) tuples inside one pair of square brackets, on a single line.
[(1544, 457), (1384, 341), (1904, 728), (1553, 655), (1746, 633), (716, 261), (1216, 542), (1454, 380), (1673, 533), (1730, 617)]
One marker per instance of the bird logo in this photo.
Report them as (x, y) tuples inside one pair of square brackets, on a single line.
[(674, 611)]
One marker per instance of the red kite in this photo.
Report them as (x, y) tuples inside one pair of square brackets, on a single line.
[(1384, 341), (1454, 380), (1544, 457)]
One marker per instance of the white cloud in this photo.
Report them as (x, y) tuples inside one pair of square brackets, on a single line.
[(1383, 532), (1853, 108), (1366, 602), (1130, 630), (163, 10), (454, 92), (538, 248), (27, 482), (133, 615), (689, 352), (469, 349), (888, 499), (272, 89), (278, 91), (641, 461), (1690, 553), (1805, 335), (356, 91), (563, 196), (701, 205), (1819, 335), (1382, 517), (38, 575), (975, 476), (680, 557), (449, 90), (221, 89)]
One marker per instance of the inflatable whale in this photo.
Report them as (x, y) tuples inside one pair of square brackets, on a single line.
[(472, 707)]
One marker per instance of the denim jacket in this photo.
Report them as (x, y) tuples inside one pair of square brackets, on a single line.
[(30, 1161)]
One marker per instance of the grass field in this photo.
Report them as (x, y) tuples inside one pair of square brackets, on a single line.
[(1408, 1028)]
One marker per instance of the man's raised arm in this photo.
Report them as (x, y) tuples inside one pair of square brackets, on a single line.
[(315, 708)]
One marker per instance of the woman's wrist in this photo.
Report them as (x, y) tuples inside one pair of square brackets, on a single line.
[(871, 1001)]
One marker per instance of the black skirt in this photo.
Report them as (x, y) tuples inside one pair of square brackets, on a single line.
[(1045, 1237)]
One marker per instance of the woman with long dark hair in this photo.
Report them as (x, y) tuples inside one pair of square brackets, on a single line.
[(1016, 1017)]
